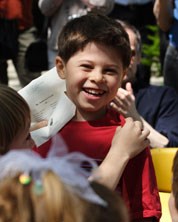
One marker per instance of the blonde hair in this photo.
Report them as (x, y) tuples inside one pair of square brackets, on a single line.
[(56, 202), (14, 116), (22, 203)]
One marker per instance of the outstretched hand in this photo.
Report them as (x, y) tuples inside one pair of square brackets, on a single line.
[(124, 102)]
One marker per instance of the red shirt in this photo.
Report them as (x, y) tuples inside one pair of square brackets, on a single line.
[(138, 183)]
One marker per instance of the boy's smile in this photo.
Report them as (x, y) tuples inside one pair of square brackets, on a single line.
[(93, 76)]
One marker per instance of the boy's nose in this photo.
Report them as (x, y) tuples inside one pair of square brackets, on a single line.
[(97, 76)]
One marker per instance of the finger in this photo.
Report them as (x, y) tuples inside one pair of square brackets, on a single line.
[(122, 91), (39, 125), (117, 101), (118, 128), (146, 143), (129, 119), (114, 106), (129, 87), (120, 102), (125, 96), (129, 122), (144, 137), (145, 133), (139, 124), (118, 109), (123, 101)]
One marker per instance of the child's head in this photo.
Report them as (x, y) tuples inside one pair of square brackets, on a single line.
[(34, 201), (35, 189), (173, 200), (14, 121), (90, 28), (93, 55), (53, 201), (115, 211)]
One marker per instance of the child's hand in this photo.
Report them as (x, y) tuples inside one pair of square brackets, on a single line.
[(124, 102), (131, 139), (39, 125), (128, 141)]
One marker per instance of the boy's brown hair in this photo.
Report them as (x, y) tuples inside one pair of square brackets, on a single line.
[(96, 28), (14, 116)]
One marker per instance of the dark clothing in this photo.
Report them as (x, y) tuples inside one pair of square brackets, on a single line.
[(21, 10), (171, 67), (139, 15), (158, 105)]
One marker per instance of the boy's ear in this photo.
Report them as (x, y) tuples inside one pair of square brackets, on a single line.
[(60, 66)]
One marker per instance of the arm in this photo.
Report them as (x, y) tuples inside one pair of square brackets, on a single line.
[(156, 138), (124, 103), (122, 150), (163, 11), (49, 7)]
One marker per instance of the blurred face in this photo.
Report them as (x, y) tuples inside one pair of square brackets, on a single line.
[(93, 76), (23, 139), (172, 208), (135, 60)]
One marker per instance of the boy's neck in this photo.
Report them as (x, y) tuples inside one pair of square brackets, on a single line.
[(89, 116)]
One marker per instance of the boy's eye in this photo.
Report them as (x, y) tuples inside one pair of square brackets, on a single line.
[(86, 66), (110, 71)]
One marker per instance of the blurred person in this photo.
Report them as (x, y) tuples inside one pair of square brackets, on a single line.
[(22, 11), (139, 13), (54, 189), (155, 106), (166, 13), (14, 121), (59, 12)]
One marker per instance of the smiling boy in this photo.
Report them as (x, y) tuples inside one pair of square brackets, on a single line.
[(93, 56)]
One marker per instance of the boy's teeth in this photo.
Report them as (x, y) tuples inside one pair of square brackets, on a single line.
[(91, 91)]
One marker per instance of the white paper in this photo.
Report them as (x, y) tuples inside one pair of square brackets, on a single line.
[(48, 101)]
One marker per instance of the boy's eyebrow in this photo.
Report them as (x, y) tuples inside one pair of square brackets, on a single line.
[(89, 61), (113, 66)]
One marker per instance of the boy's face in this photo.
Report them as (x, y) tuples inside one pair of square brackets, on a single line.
[(93, 76), (23, 140)]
